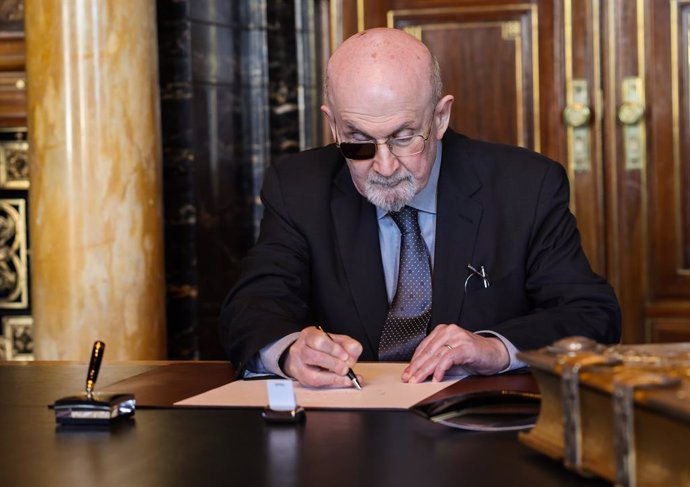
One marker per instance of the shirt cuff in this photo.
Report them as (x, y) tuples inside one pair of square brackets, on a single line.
[(514, 362), (266, 360)]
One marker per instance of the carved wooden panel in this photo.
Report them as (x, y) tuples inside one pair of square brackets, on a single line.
[(495, 100), (668, 170)]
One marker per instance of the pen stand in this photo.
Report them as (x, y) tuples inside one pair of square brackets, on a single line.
[(90, 408), (97, 410)]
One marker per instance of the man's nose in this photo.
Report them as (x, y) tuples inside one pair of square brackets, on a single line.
[(385, 163)]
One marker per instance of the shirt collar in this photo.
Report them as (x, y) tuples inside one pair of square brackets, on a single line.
[(425, 200)]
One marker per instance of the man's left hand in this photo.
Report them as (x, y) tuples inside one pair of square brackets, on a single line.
[(449, 345)]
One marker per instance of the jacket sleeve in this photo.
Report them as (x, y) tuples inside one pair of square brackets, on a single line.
[(565, 296), (269, 301)]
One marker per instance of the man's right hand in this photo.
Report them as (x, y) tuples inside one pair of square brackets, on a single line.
[(315, 360)]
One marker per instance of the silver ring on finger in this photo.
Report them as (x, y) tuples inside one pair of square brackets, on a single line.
[(450, 347)]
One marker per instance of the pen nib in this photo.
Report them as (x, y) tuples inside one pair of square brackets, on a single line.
[(357, 384)]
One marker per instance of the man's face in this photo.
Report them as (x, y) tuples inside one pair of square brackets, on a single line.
[(379, 88), (390, 181)]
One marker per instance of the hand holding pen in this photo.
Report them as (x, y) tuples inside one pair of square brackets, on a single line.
[(316, 359), (350, 374)]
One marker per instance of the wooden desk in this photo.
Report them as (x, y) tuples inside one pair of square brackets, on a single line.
[(168, 447)]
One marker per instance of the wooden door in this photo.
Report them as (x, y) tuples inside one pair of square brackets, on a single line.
[(505, 61), (600, 86), (648, 176)]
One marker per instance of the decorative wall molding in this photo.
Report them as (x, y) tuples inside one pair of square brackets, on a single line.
[(14, 292), (11, 10), (14, 164), (18, 338)]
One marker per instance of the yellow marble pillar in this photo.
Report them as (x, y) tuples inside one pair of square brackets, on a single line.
[(95, 198)]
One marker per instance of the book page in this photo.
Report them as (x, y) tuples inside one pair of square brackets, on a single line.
[(381, 389)]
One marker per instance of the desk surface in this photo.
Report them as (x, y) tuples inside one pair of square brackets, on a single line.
[(193, 447)]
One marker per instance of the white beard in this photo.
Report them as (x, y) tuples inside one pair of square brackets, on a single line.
[(391, 193)]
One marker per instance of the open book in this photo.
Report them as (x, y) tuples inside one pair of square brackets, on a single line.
[(499, 403)]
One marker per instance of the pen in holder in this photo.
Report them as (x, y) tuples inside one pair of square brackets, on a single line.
[(92, 408)]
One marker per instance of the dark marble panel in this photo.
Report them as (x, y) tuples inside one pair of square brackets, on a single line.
[(182, 284), (176, 117), (224, 229), (282, 75), (254, 81), (229, 74), (213, 53), (179, 192), (174, 51), (309, 68), (172, 10), (213, 11)]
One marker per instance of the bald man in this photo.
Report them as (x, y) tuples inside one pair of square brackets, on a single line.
[(499, 246)]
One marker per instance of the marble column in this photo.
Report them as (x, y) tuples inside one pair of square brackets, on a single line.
[(95, 200)]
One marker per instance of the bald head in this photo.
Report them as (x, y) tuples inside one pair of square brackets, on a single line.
[(383, 63), (384, 85)]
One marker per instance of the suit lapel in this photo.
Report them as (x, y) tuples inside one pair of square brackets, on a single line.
[(357, 235), (457, 224)]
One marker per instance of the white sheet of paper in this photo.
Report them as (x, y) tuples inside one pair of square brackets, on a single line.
[(381, 389)]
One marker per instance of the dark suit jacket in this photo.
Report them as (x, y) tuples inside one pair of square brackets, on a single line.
[(317, 260)]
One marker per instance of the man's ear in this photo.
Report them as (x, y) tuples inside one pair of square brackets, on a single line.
[(442, 115), (331, 119)]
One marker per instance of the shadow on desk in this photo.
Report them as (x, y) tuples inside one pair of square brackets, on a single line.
[(165, 385)]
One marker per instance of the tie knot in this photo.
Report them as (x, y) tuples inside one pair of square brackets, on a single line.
[(406, 219)]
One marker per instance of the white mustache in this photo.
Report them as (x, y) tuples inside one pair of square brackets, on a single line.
[(389, 181)]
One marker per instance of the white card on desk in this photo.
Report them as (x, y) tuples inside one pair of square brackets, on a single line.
[(281, 396)]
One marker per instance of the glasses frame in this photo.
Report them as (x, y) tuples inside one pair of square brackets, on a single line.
[(375, 144)]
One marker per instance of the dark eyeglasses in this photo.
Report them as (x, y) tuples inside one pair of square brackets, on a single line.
[(399, 146)]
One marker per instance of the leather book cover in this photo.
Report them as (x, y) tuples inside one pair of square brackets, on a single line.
[(619, 412)]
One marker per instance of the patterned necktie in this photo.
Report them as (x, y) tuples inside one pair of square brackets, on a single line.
[(410, 311)]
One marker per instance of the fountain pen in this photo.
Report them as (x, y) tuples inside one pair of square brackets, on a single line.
[(350, 374)]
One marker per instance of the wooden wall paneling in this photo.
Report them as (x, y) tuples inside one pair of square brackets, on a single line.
[(12, 80), (667, 310), (626, 184), (11, 51), (681, 60), (582, 121), (496, 100), (373, 13), (668, 330)]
